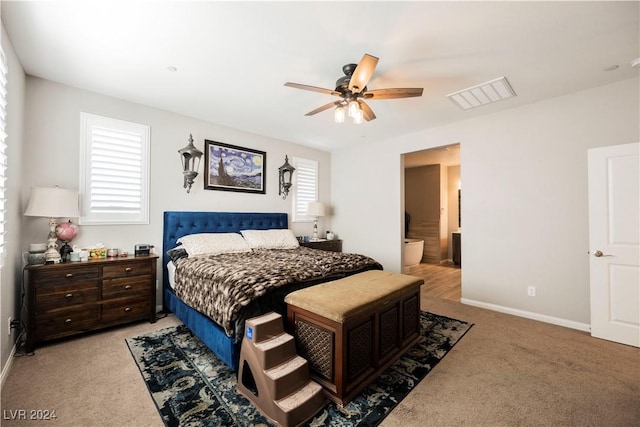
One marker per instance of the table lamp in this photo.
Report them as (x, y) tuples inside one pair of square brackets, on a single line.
[(315, 209), (53, 203)]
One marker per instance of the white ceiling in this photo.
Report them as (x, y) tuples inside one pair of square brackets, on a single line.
[(232, 58)]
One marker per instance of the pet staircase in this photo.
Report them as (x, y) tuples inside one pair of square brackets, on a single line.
[(273, 376)]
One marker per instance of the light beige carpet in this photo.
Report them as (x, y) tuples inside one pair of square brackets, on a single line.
[(507, 371)]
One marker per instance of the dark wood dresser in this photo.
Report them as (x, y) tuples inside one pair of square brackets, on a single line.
[(325, 245), (74, 297)]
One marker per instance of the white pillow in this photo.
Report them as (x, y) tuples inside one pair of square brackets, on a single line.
[(213, 243), (270, 239)]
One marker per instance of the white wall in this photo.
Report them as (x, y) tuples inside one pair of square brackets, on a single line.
[(525, 197), (10, 276), (51, 157)]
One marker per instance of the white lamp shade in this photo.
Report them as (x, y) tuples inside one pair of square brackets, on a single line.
[(315, 209), (53, 203)]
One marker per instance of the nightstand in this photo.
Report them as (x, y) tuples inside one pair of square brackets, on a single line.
[(74, 297), (324, 245)]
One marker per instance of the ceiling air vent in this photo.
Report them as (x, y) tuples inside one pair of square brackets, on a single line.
[(482, 94)]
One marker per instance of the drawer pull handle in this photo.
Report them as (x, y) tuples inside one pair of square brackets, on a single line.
[(67, 321), (127, 309), (69, 275), (128, 269), (68, 296), (128, 287)]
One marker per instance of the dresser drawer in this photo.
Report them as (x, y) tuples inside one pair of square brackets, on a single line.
[(126, 287), (57, 276), (126, 269), (121, 311), (60, 323), (66, 296)]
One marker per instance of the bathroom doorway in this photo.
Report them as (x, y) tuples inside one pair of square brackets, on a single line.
[(432, 219)]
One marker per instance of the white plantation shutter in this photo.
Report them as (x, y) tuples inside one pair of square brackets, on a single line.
[(4, 69), (114, 171), (305, 187)]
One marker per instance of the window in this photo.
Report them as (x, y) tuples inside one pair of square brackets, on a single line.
[(4, 69), (114, 171), (305, 187)]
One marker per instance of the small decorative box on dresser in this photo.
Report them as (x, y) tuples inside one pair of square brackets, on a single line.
[(324, 245), (74, 297)]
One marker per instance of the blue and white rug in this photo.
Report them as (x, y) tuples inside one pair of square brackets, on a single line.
[(192, 387)]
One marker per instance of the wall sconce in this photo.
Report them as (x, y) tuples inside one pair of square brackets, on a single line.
[(190, 157), (286, 173)]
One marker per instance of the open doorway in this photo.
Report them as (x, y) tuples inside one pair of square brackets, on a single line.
[(432, 219)]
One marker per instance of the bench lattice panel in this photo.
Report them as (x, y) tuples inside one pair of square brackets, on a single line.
[(316, 345)]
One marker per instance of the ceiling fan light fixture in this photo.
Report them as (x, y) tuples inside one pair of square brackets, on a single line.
[(338, 114), (352, 91), (353, 108), (358, 116), (483, 94)]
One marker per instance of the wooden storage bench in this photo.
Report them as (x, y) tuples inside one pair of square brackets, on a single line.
[(352, 329)]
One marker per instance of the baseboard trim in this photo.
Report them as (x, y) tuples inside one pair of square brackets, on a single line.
[(7, 367), (585, 327)]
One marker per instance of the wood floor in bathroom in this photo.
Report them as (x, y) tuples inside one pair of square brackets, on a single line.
[(440, 280)]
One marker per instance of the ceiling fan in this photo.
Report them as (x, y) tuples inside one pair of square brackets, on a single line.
[(352, 91)]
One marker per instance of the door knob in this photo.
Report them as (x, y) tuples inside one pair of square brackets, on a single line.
[(599, 254)]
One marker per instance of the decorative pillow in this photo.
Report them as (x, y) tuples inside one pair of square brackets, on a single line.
[(270, 239), (213, 243), (177, 253)]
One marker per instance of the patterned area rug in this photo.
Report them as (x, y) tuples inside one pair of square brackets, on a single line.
[(192, 387)]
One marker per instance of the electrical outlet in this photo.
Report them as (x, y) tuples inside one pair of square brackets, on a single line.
[(531, 291), (9, 324)]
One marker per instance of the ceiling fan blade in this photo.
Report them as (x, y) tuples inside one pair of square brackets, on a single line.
[(312, 88), (324, 107), (393, 93), (362, 74), (367, 112)]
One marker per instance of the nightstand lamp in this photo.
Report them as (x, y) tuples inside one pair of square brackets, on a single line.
[(53, 203), (315, 209)]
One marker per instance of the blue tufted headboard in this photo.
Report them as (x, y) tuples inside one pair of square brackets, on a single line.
[(178, 224)]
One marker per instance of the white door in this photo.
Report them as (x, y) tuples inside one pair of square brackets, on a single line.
[(614, 240)]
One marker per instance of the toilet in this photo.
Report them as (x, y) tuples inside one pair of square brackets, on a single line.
[(413, 249)]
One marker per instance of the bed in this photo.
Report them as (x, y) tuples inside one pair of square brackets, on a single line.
[(224, 338)]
